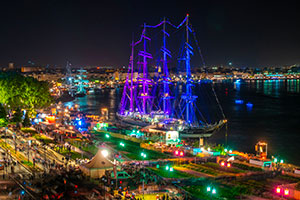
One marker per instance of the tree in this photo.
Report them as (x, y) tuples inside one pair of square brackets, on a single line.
[(3, 118), (3, 122), (26, 121), (17, 91), (3, 113), (17, 117)]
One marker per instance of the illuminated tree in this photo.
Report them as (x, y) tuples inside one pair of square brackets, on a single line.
[(17, 91)]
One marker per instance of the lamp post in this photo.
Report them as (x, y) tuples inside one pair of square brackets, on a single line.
[(169, 169), (143, 157), (211, 190)]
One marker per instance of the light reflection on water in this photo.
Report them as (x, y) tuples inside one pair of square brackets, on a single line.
[(274, 116)]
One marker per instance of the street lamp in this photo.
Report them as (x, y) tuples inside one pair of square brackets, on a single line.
[(212, 191), (143, 157), (282, 192), (281, 161), (122, 144), (208, 189)]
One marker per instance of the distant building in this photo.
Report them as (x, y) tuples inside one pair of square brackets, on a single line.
[(10, 66), (26, 69)]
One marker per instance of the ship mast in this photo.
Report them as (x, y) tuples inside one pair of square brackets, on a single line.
[(144, 95), (166, 90), (188, 97), (128, 92), (68, 73), (131, 109)]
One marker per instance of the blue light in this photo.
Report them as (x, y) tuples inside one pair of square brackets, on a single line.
[(79, 123), (238, 101), (22, 192), (238, 81), (249, 105)]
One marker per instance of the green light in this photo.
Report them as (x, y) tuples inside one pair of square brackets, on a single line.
[(95, 128), (171, 169), (275, 160), (107, 136), (214, 191), (208, 189), (157, 166), (167, 167), (281, 161), (143, 155), (122, 144), (225, 150)]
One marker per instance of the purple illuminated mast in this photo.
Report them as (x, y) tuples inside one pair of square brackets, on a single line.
[(131, 109), (166, 79), (128, 86), (144, 80), (188, 97), (136, 92)]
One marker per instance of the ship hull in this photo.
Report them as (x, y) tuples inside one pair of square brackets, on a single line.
[(131, 122)]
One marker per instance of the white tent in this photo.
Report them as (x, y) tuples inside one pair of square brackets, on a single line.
[(96, 167)]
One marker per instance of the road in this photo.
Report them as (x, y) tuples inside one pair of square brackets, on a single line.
[(41, 155)]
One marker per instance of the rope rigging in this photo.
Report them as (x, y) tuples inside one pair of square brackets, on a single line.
[(141, 68)]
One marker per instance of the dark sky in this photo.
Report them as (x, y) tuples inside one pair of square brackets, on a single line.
[(247, 33)]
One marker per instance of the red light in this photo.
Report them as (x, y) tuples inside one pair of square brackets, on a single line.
[(278, 190), (120, 182), (222, 163), (286, 192), (176, 153), (228, 165), (181, 153), (76, 186)]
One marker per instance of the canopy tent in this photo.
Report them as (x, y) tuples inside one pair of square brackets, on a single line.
[(96, 167)]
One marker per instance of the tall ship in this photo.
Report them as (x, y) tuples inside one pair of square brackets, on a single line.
[(147, 101)]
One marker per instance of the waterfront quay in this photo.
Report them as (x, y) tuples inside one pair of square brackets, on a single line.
[(117, 100), (65, 153), (144, 167)]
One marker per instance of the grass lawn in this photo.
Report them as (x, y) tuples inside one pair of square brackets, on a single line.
[(225, 169), (200, 191), (83, 146), (167, 174), (29, 164), (246, 167), (28, 130), (132, 149), (203, 169), (150, 196), (42, 138), (74, 154)]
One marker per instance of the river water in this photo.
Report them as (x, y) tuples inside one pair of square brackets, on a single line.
[(274, 117)]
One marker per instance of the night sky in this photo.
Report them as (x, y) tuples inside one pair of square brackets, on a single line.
[(246, 33)]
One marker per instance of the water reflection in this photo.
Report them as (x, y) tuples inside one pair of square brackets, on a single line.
[(273, 119)]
